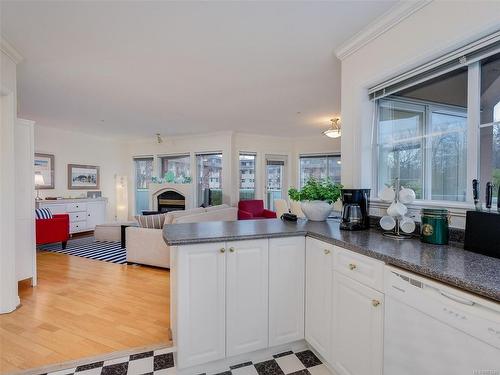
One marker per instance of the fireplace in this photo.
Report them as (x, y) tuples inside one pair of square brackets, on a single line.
[(171, 200)]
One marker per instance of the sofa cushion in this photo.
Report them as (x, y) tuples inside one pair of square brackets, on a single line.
[(215, 208), (171, 216), (43, 213), (151, 221), (223, 214)]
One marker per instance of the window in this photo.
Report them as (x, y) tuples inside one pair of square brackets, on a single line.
[(422, 138), (143, 174), (275, 179), (490, 123), (319, 167), (247, 176), (179, 165), (209, 179)]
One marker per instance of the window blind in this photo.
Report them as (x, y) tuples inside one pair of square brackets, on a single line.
[(466, 55)]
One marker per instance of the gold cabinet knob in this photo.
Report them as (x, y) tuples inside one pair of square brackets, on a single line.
[(231, 249), (327, 251), (375, 302), (352, 266), (222, 250)]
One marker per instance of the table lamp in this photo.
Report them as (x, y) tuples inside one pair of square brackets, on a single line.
[(38, 182)]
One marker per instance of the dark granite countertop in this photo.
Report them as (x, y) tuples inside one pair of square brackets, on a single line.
[(450, 264)]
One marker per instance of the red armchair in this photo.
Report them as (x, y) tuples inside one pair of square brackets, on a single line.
[(254, 209), (53, 230)]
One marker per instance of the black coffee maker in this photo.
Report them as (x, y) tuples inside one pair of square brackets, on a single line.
[(355, 210)]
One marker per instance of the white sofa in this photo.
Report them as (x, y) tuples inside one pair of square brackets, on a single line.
[(146, 246)]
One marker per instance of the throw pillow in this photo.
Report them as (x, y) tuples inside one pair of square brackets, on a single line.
[(151, 221), (43, 213)]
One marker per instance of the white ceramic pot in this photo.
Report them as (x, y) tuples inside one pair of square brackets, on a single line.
[(316, 210)]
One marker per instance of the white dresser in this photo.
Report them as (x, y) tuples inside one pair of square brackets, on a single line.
[(84, 214)]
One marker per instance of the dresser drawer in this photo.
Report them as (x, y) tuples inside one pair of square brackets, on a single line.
[(77, 216), (75, 207), (78, 226), (366, 270)]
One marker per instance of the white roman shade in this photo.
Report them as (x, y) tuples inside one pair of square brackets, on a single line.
[(464, 56)]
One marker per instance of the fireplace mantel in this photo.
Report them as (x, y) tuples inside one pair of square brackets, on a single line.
[(184, 189)]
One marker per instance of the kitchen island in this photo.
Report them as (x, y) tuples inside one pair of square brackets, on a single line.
[(241, 290)]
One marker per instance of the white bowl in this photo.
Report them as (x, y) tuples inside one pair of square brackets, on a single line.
[(397, 209), (407, 224), (407, 196), (387, 222), (316, 210), (388, 194)]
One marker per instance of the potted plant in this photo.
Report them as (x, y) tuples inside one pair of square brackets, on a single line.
[(317, 198)]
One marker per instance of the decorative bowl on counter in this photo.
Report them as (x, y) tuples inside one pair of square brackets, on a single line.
[(316, 210)]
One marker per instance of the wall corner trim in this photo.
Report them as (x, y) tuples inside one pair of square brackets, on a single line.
[(10, 51), (384, 23)]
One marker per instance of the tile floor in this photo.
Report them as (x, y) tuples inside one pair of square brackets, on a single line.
[(161, 362)]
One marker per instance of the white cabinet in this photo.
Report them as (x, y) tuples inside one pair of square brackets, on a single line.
[(84, 214), (319, 273), (201, 296), (357, 328), (286, 289), (96, 214), (221, 300), (247, 296)]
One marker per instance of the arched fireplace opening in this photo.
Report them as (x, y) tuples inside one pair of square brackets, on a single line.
[(171, 200)]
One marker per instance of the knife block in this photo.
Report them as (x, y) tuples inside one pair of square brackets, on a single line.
[(482, 233)]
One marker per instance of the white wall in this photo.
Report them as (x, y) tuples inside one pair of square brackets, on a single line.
[(437, 28), (231, 144), (8, 104), (77, 148)]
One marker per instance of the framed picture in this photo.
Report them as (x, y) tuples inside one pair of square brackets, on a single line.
[(83, 177), (44, 165)]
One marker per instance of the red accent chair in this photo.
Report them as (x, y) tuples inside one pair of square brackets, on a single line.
[(254, 209), (53, 230)]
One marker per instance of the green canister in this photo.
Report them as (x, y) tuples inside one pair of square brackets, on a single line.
[(434, 226)]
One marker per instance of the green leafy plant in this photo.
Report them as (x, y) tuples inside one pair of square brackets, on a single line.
[(317, 190)]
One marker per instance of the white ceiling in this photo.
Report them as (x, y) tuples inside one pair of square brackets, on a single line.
[(137, 68)]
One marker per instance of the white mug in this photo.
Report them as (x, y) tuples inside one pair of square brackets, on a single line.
[(388, 194), (397, 209), (406, 195), (387, 222), (407, 224)]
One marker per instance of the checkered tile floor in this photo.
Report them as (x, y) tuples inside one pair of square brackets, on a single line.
[(161, 362)]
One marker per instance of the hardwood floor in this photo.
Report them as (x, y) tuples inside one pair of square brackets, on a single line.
[(84, 308)]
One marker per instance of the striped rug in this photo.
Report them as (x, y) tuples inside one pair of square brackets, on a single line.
[(87, 247)]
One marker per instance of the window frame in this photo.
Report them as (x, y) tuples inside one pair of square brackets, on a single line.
[(319, 155), (195, 180), (247, 153), (473, 142)]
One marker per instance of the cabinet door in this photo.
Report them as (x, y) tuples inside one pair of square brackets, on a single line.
[(357, 329), (201, 319), (286, 289), (247, 296), (96, 212), (319, 273)]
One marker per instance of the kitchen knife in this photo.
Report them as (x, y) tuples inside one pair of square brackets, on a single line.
[(489, 194), (475, 194)]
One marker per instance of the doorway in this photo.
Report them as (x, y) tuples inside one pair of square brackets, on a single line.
[(276, 177)]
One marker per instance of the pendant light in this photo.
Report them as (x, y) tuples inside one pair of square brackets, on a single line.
[(334, 130)]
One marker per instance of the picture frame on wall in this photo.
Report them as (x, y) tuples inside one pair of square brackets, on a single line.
[(83, 177), (44, 165)]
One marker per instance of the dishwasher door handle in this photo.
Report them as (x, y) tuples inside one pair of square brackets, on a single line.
[(461, 300)]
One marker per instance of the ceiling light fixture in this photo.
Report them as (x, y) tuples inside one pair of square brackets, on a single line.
[(334, 131), (159, 139)]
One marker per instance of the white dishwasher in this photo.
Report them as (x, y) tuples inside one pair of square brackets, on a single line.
[(433, 329)]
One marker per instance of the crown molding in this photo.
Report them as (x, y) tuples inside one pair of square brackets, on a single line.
[(387, 21), (10, 51)]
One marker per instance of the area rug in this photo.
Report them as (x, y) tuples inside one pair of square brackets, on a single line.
[(87, 247)]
